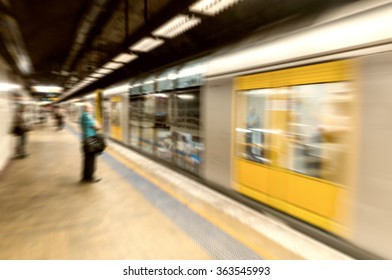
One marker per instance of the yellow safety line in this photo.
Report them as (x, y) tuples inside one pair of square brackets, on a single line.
[(214, 220)]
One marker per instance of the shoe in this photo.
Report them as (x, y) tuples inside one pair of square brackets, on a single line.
[(96, 180)]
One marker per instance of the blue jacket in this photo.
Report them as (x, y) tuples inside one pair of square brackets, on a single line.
[(87, 125)]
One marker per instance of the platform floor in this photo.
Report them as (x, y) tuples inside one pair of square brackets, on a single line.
[(133, 213)]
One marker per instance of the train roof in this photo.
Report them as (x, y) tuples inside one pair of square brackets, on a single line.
[(357, 26)]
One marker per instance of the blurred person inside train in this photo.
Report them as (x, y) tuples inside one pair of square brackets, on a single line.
[(20, 128), (89, 128), (252, 123)]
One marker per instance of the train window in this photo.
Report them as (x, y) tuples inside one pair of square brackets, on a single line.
[(318, 130), (162, 139), (135, 116), (185, 108), (251, 126), (147, 124)]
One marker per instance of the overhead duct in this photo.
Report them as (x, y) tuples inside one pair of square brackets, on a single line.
[(86, 25)]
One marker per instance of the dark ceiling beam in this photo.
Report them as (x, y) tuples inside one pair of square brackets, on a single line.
[(145, 11), (107, 10), (6, 10), (126, 18)]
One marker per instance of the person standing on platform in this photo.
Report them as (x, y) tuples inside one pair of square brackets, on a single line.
[(89, 127), (20, 129), (59, 115)]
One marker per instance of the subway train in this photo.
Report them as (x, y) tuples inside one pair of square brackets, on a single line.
[(299, 120)]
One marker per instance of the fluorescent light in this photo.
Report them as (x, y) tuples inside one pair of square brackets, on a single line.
[(211, 7), (104, 71), (186, 96), (125, 57), (177, 25), (7, 87), (112, 65), (97, 75), (90, 79), (118, 89), (192, 71), (172, 76), (149, 82), (54, 89), (146, 44)]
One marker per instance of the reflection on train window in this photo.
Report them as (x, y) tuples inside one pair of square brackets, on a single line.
[(251, 126), (162, 139), (318, 130), (185, 108), (166, 125), (135, 114), (147, 124)]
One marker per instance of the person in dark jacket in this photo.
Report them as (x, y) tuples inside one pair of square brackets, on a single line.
[(20, 129)]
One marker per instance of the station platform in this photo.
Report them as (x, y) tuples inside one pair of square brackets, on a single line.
[(139, 210)]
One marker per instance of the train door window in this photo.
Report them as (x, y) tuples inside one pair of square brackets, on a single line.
[(185, 133), (162, 139), (251, 125), (186, 107), (318, 130)]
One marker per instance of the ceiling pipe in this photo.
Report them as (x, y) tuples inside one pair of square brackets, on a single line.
[(145, 11), (85, 27)]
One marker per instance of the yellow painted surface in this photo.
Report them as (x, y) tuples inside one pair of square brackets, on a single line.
[(98, 107), (262, 80), (278, 184), (315, 196), (116, 132), (116, 99), (309, 217), (317, 73), (252, 175)]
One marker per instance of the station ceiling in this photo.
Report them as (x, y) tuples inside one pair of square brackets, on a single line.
[(62, 42)]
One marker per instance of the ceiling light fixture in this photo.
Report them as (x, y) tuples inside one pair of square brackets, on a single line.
[(104, 71), (125, 57), (211, 7), (8, 87), (146, 44), (97, 75), (112, 65), (177, 25), (90, 79), (52, 89)]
